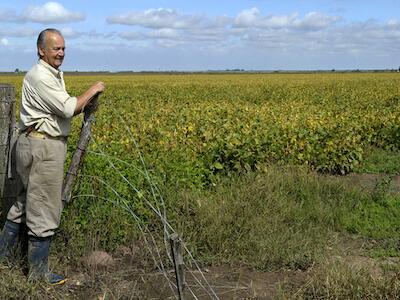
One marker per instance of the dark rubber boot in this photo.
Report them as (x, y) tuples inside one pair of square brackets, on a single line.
[(8, 241), (38, 258)]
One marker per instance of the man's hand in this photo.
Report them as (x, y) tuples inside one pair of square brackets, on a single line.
[(87, 96), (98, 87)]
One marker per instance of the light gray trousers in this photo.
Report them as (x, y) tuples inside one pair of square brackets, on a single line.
[(40, 166)]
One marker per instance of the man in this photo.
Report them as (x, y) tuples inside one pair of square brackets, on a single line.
[(45, 121)]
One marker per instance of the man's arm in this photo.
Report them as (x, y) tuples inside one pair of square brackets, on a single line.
[(87, 96)]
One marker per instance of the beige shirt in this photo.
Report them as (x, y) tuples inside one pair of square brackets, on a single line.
[(45, 102)]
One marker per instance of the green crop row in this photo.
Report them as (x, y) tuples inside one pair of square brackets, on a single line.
[(191, 128)]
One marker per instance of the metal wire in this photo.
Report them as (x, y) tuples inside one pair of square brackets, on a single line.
[(206, 287), (156, 259), (158, 207)]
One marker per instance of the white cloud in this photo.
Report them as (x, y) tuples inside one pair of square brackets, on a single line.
[(7, 15), (278, 21), (316, 20), (250, 25), (248, 17), (166, 18), (133, 35), (153, 18), (367, 36), (251, 31), (20, 32), (393, 23), (69, 32), (164, 43), (212, 35), (164, 33), (4, 42), (169, 28), (252, 18), (50, 12), (313, 32)]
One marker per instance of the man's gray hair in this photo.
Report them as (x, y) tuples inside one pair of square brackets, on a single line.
[(41, 40)]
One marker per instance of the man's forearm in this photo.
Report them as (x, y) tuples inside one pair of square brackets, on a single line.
[(87, 96), (83, 100)]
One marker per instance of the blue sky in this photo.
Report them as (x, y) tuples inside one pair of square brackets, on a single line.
[(202, 35)]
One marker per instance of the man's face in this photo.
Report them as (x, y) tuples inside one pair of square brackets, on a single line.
[(53, 52)]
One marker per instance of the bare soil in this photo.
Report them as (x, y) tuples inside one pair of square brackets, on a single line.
[(124, 280)]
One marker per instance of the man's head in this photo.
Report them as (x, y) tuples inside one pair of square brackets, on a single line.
[(51, 46)]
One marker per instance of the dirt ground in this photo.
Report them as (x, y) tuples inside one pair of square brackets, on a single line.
[(124, 280)]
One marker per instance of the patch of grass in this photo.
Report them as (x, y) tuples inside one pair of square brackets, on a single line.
[(277, 218), (285, 218), (385, 248), (378, 160), (281, 218), (93, 224), (14, 285), (376, 219), (342, 281)]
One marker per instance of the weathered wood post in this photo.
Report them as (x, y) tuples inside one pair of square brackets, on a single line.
[(79, 153), (178, 264), (7, 130)]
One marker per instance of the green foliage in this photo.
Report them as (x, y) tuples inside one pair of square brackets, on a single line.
[(376, 216), (191, 129), (378, 160)]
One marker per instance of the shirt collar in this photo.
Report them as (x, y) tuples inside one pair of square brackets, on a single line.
[(53, 71)]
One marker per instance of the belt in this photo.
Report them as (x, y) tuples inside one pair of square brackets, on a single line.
[(29, 129), (42, 135)]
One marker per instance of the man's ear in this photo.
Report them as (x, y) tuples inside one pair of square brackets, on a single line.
[(41, 51)]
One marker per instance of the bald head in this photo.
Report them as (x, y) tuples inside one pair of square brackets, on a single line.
[(41, 40), (51, 46)]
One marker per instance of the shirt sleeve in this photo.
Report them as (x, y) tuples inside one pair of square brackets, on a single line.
[(54, 99)]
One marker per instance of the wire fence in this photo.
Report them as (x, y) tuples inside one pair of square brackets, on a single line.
[(156, 243)]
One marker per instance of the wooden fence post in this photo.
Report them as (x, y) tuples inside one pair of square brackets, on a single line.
[(7, 137), (178, 264), (77, 158)]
